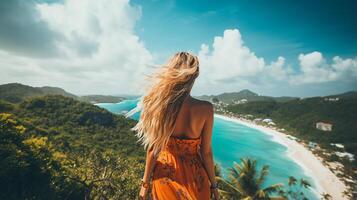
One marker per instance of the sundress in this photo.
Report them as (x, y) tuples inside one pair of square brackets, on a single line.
[(179, 173)]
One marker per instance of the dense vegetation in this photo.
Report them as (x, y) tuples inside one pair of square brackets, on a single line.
[(55, 147), (300, 117)]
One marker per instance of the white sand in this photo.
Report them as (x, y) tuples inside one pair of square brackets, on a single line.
[(324, 180)]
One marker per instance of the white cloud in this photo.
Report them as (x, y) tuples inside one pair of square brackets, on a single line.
[(233, 66), (315, 69), (229, 58), (345, 66), (99, 50), (278, 70)]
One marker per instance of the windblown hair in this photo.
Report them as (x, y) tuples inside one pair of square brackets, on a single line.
[(161, 104)]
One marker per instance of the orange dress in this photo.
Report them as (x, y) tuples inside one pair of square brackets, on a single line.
[(179, 173)]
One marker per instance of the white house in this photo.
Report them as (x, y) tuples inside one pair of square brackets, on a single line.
[(324, 126), (338, 145), (271, 123), (332, 99), (267, 120), (240, 101), (345, 154)]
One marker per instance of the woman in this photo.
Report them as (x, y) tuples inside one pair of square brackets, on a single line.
[(176, 130)]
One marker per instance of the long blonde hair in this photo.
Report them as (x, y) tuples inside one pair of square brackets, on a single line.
[(162, 102)]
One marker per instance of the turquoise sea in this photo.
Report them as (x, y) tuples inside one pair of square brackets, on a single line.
[(232, 141)]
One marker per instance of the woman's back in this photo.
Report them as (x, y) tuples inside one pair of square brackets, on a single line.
[(191, 118)]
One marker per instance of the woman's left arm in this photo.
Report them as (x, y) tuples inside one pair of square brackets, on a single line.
[(149, 167)]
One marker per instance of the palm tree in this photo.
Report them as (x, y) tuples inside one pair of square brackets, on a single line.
[(217, 170), (347, 194), (292, 181), (326, 196), (245, 182), (296, 187)]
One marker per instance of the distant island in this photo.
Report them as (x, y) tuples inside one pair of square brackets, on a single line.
[(243, 95), (16, 92), (101, 99)]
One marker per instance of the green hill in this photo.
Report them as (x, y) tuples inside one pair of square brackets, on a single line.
[(16, 92), (56, 91), (243, 94), (346, 95), (71, 150)]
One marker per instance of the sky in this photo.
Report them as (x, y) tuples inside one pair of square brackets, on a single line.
[(276, 48)]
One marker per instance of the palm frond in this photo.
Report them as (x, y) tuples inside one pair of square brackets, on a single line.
[(273, 188), (305, 183), (263, 173), (229, 185), (217, 170), (292, 181)]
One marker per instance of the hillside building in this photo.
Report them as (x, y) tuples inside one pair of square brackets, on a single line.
[(332, 99), (324, 126), (267, 120), (349, 156)]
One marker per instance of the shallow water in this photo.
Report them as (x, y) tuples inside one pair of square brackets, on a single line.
[(232, 141)]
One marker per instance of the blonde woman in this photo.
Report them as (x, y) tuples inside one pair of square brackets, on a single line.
[(176, 130)]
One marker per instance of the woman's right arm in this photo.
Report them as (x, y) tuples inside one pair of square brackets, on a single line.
[(149, 167), (206, 149)]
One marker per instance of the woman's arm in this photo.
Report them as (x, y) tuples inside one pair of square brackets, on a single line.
[(206, 149), (149, 167)]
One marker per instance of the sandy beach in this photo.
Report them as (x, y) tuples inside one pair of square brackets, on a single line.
[(324, 180)]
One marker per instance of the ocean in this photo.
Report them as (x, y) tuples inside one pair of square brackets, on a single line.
[(232, 141)]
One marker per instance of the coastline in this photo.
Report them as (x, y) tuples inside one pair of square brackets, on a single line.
[(325, 181)]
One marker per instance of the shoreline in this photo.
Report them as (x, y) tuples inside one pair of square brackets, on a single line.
[(324, 180)]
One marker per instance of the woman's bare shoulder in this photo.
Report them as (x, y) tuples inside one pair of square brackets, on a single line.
[(202, 104)]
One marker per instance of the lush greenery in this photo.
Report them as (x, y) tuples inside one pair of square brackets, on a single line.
[(55, 147)]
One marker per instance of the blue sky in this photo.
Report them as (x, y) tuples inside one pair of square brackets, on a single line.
[(279, 48), (269, 28)]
